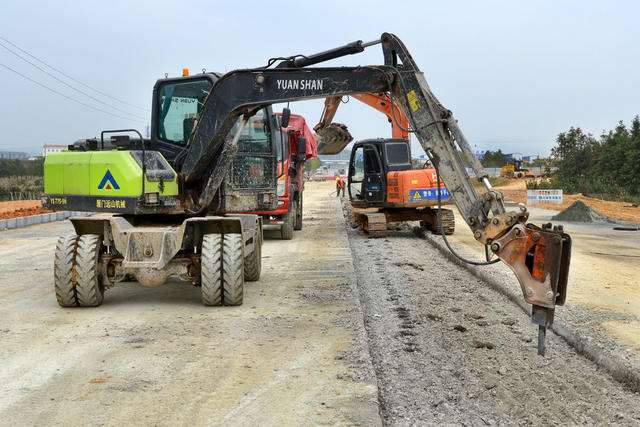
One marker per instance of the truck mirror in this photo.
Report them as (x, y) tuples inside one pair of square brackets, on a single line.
[(286, 115)]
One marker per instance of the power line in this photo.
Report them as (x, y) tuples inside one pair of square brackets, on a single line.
[(68, 85), (72, 78), (70, 98)]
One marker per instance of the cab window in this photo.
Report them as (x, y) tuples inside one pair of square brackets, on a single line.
[(253, 165), (397, 153), (179, 108), (371, 163), (255, 135), (358, 165)]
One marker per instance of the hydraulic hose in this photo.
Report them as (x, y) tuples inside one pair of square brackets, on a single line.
[(444, 237)]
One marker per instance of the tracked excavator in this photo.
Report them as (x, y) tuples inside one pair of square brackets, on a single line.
[(383, 184), (171, 220)]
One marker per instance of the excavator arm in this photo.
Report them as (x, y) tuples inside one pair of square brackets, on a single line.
[(379, 101), (538, 256)]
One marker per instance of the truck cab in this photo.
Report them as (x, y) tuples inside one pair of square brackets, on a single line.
[(250, 184), (298, 145)]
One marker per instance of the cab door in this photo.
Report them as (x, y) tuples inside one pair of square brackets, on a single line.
[(373, 185), (356, 174)]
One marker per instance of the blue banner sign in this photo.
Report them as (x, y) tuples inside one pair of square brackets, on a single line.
[(420, 194)]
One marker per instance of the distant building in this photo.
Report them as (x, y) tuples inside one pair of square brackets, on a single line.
[(13, 155), (480, 154), (51, 148), (514, 156), (531, 158)]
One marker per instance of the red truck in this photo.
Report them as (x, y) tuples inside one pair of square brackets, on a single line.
[(293, 151)]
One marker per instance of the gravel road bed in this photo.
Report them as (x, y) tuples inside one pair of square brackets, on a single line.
[(447, 348)]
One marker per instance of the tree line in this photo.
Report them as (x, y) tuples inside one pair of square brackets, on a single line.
[(608, 166), (494, 159), (18, 167), (21, 179)]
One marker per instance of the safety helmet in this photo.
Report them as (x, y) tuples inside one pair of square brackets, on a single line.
[(337, 178)]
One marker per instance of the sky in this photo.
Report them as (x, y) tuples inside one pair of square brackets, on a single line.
[(514, 73)]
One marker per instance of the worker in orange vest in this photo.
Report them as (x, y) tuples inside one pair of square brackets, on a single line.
[(339, 186)]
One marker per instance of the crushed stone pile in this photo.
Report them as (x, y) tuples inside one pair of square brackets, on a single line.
[(581, 212)]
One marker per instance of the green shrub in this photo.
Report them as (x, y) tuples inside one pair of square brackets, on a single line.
[(608, 166)]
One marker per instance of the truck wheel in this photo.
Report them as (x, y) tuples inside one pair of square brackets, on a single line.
[(211, 269), (89, 286), (286, 230), (297, 225), (232, 269), (63, 271), (253, 261)]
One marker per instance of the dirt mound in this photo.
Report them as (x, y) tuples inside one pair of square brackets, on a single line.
[(581, 212), (23, 212), (20, 208)]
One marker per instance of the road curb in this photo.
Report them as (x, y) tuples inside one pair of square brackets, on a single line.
[(612, 364), (25, 221)]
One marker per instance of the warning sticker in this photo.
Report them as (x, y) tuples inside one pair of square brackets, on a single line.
[(421, 194), (413, 100)]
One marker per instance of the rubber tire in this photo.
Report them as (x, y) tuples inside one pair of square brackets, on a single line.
[(253, 261), (232, 269), (297, 224), (286, 229), (64, 260), (211, 269), (89, 286)]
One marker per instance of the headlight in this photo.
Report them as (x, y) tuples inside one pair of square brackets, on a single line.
[(282, 185)]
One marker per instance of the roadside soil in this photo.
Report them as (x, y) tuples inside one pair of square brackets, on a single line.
[(516, 191), (294, 353), (21, 208), (448, 349)]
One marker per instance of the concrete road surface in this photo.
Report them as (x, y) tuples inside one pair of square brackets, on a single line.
[(294, 353)]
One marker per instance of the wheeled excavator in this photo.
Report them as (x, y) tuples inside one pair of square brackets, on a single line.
[(163, 226)]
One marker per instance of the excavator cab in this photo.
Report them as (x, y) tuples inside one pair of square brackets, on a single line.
[(366, 174), (371, 161), (250, 183), (177, 105)]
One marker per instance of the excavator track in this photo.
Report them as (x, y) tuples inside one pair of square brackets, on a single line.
[(373, 224), (448, 222)]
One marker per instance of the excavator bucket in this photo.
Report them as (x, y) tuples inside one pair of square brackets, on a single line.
[(333, 138)]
